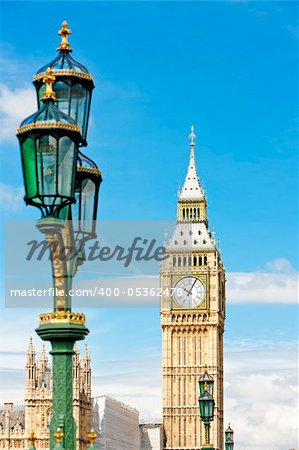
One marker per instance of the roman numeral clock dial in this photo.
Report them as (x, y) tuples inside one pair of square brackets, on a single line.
[(189, 292)]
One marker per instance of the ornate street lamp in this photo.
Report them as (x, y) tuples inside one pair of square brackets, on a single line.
[(63, 184), (206, 408), (49, 141), (229, 438), (73, 85)]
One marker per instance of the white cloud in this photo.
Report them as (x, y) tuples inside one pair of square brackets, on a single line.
[(15, 105), (262, 288), (10, 197), (280, 265), (261, 395), (277, 283)]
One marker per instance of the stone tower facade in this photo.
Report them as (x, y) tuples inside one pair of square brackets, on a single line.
[(17, 423), (192, 319)]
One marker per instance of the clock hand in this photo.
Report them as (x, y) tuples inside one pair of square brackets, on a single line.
[(192, 287)]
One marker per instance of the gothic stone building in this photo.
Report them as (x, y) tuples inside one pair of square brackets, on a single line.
[(16, 423)]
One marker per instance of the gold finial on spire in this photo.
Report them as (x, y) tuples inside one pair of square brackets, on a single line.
[(59, 435), (92, 436), (192, 136), (32, 438), (64, 32), (49, 79)]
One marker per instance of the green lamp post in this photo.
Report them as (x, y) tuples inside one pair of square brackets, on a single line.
[(49, 142), (206, 407), (63, 184), (229, 438)]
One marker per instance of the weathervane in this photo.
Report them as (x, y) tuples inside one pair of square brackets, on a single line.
[(192, 136)]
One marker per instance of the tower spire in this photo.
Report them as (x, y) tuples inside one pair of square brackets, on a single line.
[(43, 356), (30, 353), (192, 189), (86, 356)]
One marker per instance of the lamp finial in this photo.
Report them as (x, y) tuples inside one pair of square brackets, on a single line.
[(49, 79), (92, 436), (58, 435), (64, 33), (32, 438)]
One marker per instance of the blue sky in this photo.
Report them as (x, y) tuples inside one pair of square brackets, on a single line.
[(229, 68)]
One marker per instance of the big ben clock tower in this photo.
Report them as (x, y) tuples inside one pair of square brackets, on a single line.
[(192, 319)]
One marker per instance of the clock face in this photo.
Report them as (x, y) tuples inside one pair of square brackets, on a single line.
[(189, 292)]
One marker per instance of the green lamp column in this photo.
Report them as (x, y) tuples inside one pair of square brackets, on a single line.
[(62, 329)]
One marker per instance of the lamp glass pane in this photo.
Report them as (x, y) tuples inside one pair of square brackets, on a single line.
[(206, 407), (202, 409), (87, 205), (46, 166), (29, 164), (77, 105), (63, 94), (66, 158), (83, 209), (229, 446), (210, 408)]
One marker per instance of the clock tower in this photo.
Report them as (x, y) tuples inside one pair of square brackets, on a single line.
[(192, 318)]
